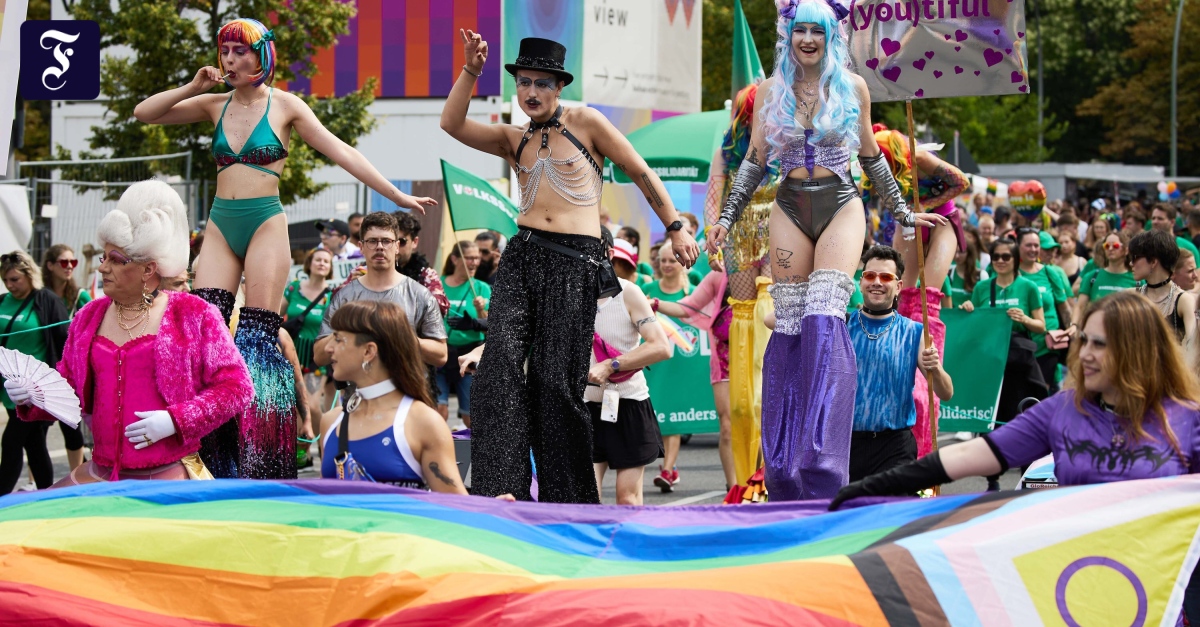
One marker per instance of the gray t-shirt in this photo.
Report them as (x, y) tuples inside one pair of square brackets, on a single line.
[(416, 301)]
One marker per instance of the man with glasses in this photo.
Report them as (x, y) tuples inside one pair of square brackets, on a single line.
[(382, 282), (543, 309), (888, 351)]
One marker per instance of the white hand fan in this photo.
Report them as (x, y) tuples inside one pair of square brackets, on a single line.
[(49, 390)]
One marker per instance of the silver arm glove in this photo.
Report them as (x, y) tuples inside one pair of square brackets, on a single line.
[(745, 183), (890, 198)]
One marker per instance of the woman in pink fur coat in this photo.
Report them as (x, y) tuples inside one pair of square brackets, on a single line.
[(154, 371)]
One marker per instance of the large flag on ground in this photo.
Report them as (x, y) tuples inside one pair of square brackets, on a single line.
[(747, 66), (475, 204), (292, 554)]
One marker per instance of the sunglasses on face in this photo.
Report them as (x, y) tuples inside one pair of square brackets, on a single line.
[(1003, 257), (115, 257), (884, 277), (1112, 246), (68, 264)]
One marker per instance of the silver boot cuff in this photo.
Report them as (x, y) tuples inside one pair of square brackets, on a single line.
[(828, 294), (789, 306)]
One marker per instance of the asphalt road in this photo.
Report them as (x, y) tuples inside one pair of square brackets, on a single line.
[(701, 479)]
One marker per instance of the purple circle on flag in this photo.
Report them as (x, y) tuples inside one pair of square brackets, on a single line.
[(1060, 590)]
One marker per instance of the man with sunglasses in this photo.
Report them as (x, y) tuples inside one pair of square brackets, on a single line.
[(888, 349), (382, 282), (413, 264)]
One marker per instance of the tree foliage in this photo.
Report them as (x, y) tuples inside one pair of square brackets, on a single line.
[(1135, 109), (171, 39)]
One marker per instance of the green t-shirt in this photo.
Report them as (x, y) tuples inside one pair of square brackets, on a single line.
[(1100, 283), (32, 343), (644, 268), (958, 290), (1051, 282), (654, 290), (462, 303), (644, 279), (856, 300), (1021, 293), (83, 299), (296, 304), (1186, 243)]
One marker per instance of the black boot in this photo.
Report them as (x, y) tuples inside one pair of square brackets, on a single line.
[(219, 298), (221, 448)]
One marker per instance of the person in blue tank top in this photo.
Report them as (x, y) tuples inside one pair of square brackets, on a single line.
[(247, 231), (393, 433)]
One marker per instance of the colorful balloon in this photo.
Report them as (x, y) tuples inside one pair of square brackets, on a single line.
[(1028, 198)]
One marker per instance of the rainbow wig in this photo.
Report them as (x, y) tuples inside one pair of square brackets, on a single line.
[(737, 137), (894, 146), (840, 108), (252, 33)]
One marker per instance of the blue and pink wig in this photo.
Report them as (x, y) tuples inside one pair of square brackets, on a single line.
[(839, 102), (254, 34)]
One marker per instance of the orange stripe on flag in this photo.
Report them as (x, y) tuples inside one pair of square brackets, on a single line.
[(322, 80), (370, 43), (416, 49)]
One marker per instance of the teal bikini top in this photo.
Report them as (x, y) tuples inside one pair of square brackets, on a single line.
[(262, 147)]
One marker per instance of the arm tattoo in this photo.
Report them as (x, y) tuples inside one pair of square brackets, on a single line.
[(651, 191), (783, 258), (433, 467), (639, 323), (623, 168), (754, 156)]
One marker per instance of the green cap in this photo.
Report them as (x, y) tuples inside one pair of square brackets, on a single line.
[(1047, 240)]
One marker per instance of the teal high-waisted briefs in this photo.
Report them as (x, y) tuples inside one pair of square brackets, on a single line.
[(239, 219)]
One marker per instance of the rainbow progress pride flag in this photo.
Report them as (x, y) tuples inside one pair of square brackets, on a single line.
[(287, 554)]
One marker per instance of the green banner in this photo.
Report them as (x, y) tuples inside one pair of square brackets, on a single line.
[(475, 204), (747, 67), (976, 351), (681, 389)]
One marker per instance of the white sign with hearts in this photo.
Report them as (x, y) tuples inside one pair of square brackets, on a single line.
[(939, 48)]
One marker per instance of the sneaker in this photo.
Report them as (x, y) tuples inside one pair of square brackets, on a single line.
[(28, 487), (665, 482), (674, 477)]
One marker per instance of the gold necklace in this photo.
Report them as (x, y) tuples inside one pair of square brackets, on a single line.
[(247, 106), (138, 321)]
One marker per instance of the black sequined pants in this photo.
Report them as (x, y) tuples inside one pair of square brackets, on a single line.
[(543, 310)]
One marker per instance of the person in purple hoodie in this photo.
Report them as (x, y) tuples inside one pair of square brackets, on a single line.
[(1134, 413)]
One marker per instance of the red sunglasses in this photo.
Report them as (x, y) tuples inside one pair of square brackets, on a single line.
[(68, 264), (884, 277)]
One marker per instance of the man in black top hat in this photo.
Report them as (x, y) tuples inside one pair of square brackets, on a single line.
[(543, 304)]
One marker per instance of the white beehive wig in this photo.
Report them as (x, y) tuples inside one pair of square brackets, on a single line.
[(150, 224)]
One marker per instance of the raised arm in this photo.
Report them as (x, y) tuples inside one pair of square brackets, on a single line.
[(613, 145), (183, 105), (489, 138), (956, 182), (349, 158)]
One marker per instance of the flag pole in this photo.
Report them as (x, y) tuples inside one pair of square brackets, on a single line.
[(916, 201)]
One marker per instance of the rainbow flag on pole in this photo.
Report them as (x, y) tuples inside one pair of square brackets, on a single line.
[(287, 554)]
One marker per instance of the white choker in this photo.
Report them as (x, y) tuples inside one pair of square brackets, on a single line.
[(370, 392)]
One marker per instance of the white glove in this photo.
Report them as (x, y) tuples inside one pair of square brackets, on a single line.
[(153, 426), (18, 393)]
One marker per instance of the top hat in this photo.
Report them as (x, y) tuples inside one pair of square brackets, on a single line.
[(541, 55)]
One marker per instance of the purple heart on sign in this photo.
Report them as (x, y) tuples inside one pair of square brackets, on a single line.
[(959, 35), (958, 70), (920, 93), (976, 72), (1017, 77), (992, 57), (947, 38), (872, 63), (1008, 51), (1020, 33), (892, 74), (919, 64), (996, 32), (958, 48), (889, 46), (1023, 88), (937, 73), (929, 54)]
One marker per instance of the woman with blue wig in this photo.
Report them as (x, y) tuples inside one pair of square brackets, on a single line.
[(816, 111), (247, 231)]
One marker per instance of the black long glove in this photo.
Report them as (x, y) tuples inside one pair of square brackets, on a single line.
[(901, 480), (466, 323)]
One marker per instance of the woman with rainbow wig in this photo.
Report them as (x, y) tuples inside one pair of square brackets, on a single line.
[(938, 184), (816, 111), (749, 270), (247, 230)]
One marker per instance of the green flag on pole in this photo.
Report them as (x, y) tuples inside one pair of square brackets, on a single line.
[(747, 67), (475, 204)]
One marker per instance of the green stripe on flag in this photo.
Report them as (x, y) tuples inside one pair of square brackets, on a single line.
[(475, 204)]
